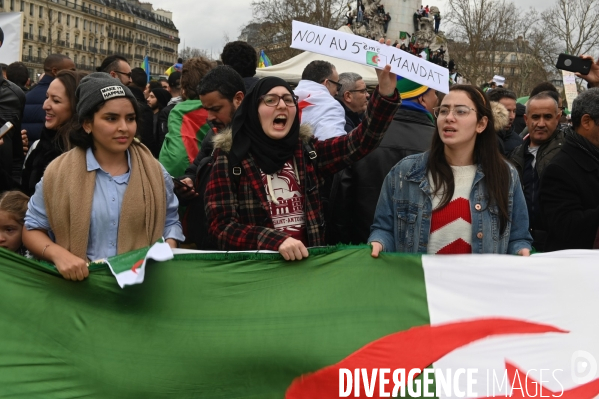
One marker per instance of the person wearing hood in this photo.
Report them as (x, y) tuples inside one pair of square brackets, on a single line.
[(263, 191)]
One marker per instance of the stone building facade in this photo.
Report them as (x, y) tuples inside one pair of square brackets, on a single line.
[(89, 30)]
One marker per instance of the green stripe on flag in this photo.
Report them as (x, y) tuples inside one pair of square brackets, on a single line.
[(214, 325)]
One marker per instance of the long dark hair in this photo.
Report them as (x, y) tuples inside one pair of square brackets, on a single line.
[(486, 154), (70, 80)]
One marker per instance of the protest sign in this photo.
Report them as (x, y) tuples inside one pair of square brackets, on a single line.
[(11, 24), (570, 89), (368, 52)]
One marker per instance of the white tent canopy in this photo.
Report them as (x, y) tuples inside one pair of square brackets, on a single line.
[(291, 70)]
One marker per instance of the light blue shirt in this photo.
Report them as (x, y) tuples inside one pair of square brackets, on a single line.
[(106, 210)]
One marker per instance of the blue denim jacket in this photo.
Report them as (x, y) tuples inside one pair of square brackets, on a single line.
[(402, 220)]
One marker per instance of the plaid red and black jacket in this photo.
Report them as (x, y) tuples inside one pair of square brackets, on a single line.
[(239, 214)]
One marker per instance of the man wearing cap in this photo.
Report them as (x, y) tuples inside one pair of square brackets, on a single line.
[(174, 87), (410, 132)]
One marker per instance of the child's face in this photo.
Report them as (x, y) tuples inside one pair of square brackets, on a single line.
[(10, 232)]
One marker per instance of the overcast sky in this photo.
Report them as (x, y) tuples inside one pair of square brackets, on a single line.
[(203, 24)]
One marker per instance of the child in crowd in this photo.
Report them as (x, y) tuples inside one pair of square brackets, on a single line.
[(106, 196), (13, 205)]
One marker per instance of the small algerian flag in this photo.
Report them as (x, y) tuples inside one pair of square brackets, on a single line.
[(403, 35), (375, 59), (130, 268)]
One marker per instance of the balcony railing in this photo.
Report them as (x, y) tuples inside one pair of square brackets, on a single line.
[(28, 36), (168, 49), (41, 39), (156, 46), (78, 46), (142, 42), (32, 59), (139, 57), (93, 49)]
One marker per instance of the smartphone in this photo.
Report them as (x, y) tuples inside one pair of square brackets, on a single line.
[(179, 183), (5, 129), (573, 63)]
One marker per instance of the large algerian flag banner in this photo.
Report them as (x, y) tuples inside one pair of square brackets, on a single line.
[(338, 324)]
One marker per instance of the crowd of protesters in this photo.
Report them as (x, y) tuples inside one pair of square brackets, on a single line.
[(215, 158)]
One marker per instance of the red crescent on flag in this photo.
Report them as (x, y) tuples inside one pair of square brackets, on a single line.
[(418, 347), (137, 265), (375, 59)]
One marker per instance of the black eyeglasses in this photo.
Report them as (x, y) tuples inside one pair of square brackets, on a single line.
[(126, 74), (339, 85), (272, 100), (363, 91)]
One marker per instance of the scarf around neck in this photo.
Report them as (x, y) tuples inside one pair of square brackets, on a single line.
[(413, 106), (248, 136)]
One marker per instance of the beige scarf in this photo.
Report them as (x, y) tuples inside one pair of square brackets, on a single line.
[(68, 194)]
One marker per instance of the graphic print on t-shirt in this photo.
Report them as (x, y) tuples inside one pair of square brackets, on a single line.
[(288, 214)]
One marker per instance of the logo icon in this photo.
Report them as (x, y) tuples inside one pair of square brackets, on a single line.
[(584, 367)]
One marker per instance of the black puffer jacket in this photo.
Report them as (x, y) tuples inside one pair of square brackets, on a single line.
[(353, 205)]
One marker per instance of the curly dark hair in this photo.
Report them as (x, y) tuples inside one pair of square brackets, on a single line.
[(242, 57)]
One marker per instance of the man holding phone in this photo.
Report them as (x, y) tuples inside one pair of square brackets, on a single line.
[(592, 77), (221, 92)]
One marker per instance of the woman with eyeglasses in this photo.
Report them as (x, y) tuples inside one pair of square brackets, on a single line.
[(263, 192), (459, 197)]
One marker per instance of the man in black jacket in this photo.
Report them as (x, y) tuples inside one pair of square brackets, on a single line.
[(544, 141), (569, 197), (410, 132), (353, 96)]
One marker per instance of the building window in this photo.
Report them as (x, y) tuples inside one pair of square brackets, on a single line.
[(31, 31), (31, 9), (39, 33), (84, 24), (22, 6), (512, 71), (76, 22), (513, 58), (30, 52), (41, 14), (49, 15), (76, 39), (12, 5), (68, 20), (67, 38), (39, 52), (75, 59), (59, 17)]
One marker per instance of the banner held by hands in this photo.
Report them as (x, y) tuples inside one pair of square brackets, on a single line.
[(368, 52)]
